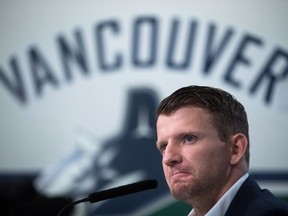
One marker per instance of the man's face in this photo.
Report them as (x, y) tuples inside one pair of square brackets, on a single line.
[(195, 160)]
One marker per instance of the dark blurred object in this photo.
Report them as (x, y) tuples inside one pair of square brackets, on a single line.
[(19, 197)]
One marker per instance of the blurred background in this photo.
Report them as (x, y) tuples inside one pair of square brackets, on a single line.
[(80, 81)]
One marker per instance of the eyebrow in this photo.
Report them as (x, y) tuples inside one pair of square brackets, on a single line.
[(158, 143), (180, 136)]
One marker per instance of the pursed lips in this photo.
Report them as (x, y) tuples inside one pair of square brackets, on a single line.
[(179, 174)]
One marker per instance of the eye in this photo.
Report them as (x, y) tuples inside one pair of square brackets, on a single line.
[(189, 138), (162, 148)]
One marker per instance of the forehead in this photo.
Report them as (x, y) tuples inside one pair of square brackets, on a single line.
[(188, 117), (188, 111)]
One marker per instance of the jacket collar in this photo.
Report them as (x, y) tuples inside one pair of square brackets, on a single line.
[(243, 197)]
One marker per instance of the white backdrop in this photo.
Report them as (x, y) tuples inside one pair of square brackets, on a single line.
[(38, 131)]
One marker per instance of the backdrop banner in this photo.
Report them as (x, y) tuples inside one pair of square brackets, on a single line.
[(80, 81)]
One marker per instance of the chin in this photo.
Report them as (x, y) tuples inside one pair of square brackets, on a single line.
[(179, 187), (182, 191), (181, 195)]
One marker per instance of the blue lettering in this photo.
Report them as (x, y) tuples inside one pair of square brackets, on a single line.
[(41, 73), (270, 75), (102, 58), (210, 56), (189, 46), (240, 58), (16, 86), (68, 55), (152, 23)]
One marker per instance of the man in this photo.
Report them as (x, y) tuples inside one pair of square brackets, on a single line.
[(202, 133)]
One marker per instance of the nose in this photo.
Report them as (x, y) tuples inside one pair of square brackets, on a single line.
[(172, 155)]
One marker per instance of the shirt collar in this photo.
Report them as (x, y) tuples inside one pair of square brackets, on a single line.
[(223, 203)]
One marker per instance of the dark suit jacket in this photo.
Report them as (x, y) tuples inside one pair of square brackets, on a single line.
[(251, 200)]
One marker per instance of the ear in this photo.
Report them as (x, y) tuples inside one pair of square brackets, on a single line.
[(239, 145)]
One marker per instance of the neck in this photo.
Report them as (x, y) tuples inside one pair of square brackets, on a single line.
[(202, 203)]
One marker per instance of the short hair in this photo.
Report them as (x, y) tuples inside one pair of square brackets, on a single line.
[(228, 115)]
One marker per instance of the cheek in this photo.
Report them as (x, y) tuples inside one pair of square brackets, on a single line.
[(218, 158), (195, 155), (165, 169), (166, 172), (206, 157)]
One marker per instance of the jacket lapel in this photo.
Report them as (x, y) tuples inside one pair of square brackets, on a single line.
[(243, 198)]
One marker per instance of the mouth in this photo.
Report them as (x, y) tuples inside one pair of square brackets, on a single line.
[(177, 176)]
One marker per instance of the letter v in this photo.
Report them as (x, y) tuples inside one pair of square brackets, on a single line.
[(211, 57), (15, 86)]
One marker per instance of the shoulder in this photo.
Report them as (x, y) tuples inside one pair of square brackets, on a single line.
[(265, 203), (251, 200)]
